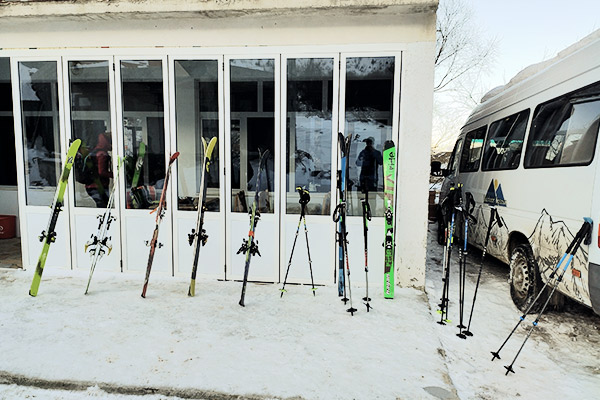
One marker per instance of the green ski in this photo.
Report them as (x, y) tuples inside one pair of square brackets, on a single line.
[(389, 180), (49, 235)]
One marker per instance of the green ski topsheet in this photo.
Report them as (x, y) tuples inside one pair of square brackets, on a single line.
[(49, 235), (389, 179)]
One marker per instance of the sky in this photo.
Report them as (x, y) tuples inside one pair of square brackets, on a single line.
[(530, 31), (526, 32)]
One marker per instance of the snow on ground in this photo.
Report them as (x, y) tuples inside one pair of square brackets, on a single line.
[(113, 344)]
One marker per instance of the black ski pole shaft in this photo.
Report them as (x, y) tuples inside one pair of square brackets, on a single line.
[(462, 277), (493, 218), (351, 310), (291, 255), (312, 281), (446, 275), (366, 211)]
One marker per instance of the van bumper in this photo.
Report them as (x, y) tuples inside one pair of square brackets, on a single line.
[(594, 278)]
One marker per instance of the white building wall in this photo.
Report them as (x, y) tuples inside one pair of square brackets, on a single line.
[(245, 26)]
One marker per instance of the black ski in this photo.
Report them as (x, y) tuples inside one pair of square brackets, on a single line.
[(250, 245), (198, 237)]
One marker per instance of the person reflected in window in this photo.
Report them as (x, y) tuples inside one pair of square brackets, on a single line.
[(98, 189), (369, 159)]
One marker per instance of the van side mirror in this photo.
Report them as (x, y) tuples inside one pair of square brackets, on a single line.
[(436, 168)]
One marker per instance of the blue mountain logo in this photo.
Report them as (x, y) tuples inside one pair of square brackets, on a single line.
[(494, 195)]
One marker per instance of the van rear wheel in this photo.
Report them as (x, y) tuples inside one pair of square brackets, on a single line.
[(524, 279)]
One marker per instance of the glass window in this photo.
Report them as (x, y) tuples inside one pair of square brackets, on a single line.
[(197, 115), (564, 130), (309, 133), (505, 142), (8, 162), (41, 135), (471, 153), (252, 88), (453, 162), (368, 117), (90, 122), (143, 132)]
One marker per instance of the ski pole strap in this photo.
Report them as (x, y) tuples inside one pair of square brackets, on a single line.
[(337, 212)]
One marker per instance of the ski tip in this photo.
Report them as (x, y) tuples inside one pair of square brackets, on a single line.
[(32, 294), (174, 157)]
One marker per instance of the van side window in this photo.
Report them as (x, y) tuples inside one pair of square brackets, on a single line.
[(453, 162), (505, 142), (564, 131), (471, 153)]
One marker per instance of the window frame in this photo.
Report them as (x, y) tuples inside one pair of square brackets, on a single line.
[(487, 138), (468, 139), (574, 99)]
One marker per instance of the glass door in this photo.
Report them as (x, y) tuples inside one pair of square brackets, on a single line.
[(369, 104), (197, 107), (310, 103), (252, 127), (39, 166), (90, 112), (142, 128)]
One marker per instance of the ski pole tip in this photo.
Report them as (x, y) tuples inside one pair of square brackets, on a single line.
[(509, 368), (495, 355)]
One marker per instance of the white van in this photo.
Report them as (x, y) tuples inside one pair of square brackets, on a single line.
[(530, 150)]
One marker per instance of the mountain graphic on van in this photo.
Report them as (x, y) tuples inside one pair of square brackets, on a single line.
[(550, 239), (494, 195)]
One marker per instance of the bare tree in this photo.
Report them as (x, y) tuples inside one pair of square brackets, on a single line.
[(463, 55)]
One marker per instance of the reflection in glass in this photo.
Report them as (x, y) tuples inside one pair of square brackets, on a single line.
[(309, 133), (90, 122), (41, 139), (197, 114), (369, 111), (252, 85), (8, 162), (143, 132)]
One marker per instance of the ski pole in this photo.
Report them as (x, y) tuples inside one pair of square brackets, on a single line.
[(568, 253), (446, 279), (366, 213), (494, 219), (304, 200), (462, 274), (581, 235)]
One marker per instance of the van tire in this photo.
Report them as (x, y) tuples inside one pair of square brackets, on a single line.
[(524, 279)]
